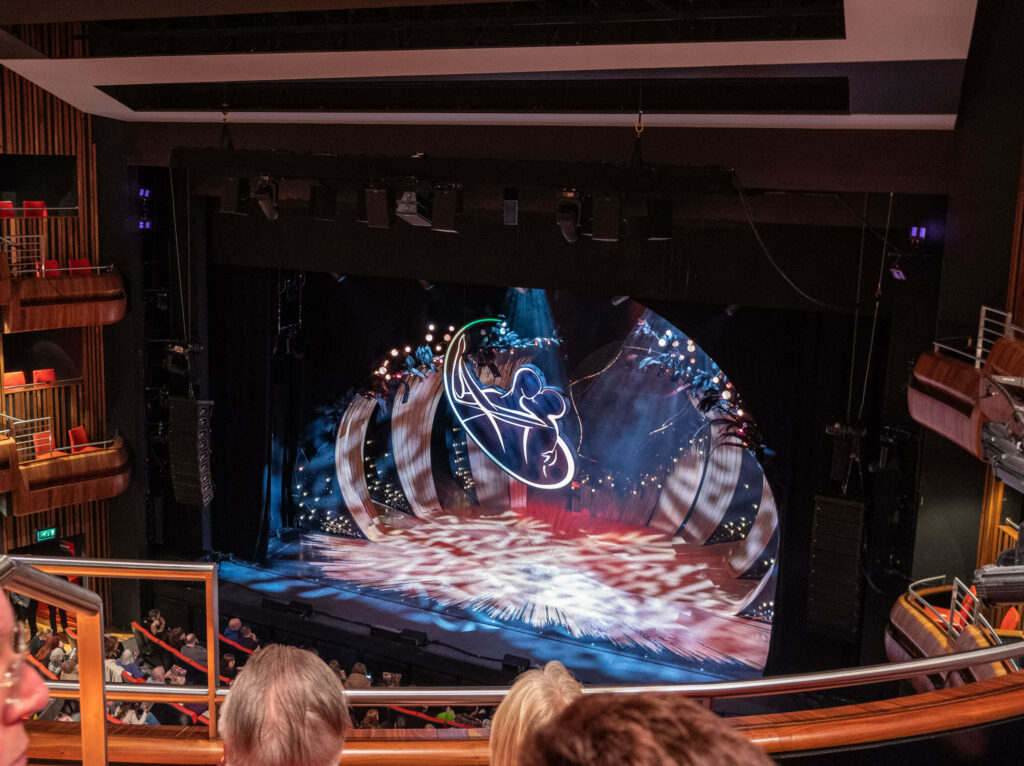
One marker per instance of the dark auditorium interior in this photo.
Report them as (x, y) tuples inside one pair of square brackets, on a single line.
[(680, 342)]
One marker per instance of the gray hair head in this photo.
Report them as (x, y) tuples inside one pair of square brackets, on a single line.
[(285, 708), (127, 657)]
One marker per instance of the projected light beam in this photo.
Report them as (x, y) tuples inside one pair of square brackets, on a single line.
[(518, 427)]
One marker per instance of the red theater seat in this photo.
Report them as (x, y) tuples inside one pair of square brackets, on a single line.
[(44, 376), (79, 438), (51, 268), (34, 208), (79, 266), (12, 379), (43, 442), (6, 209)]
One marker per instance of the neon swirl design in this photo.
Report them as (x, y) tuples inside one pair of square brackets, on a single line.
[(517, 427)]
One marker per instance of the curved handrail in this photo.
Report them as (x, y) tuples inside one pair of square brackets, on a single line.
[(20, 575), (493, 695)]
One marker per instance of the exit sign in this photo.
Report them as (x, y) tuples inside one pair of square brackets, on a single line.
[(46, 534)]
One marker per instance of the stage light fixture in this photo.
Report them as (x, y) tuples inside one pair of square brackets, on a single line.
[(378, 203), (568, 215), (618, 300), (414, 208), (511, 207), (234, 196), (323, 202), (607, 218), (447, 205), (659, 219), (265, 194)]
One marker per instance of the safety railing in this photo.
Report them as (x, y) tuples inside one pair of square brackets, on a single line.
[(141, 570), (25, 433), (993, 324), (24, 254), (93, 693), (30, 578)]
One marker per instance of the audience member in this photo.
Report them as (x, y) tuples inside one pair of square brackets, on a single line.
[(194, 650), (536, 697), (23, 690), (448, 715), (25, 610), (372, 719), (336, 667), (227, 665), (38, 640), (175, 638), (358, 679), (286, 707), (638, 730), (248, 639), (69, 670), (157, 675), (56, 661), (128, 662), (111, 670), (231, 631), (49, 644)]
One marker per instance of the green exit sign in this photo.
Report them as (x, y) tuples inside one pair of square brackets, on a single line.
[(46, 534)]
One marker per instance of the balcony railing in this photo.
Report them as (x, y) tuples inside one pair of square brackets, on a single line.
[(25, 575)]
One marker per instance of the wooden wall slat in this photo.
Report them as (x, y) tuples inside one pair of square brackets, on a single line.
[(34, 122)]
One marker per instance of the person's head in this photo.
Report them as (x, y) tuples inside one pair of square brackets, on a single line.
[(191, 640), (21, 689), (57, 656), (110, 650), (359, 669), (153, 614), (372, 719), (158, 674), (228, 660), (286, 708), (69, 667), (535, 698), (127, 658), (244, 631), (639, 730), (235, 624)]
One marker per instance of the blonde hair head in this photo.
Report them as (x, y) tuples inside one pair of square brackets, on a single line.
[(286, 708), (536, 697)]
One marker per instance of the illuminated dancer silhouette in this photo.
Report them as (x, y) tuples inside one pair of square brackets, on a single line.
[(517, 427)]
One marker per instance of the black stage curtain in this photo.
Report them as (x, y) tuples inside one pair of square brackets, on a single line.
[(242, 305)]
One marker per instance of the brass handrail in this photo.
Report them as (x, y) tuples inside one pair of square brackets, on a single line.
[(20, 575), (493, 695), (135, 569)]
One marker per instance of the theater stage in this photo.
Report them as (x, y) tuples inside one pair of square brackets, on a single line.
[(615, 603)]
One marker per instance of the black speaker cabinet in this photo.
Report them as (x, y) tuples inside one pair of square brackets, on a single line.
[(834, 590), (189, 437)]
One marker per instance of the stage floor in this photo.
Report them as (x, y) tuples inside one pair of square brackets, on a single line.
[(615, 603)]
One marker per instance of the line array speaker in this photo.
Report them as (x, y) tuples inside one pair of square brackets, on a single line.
[(189, 437), (834, 601)]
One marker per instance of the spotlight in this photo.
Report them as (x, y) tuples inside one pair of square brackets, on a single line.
[(607, 221), (618, 300), (413, 208), (378, 203), (659, 219), (521, 290), (568, 215), (394, 352), (446, 208), (266, 195), (234, 196), (511, 207), (323, 202)]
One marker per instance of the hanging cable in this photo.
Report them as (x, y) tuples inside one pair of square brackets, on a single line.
[(874, 318), (177, 257), (767, 254), (856, 313)]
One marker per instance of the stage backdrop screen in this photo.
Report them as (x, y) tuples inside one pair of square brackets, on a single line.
[(554, 475)]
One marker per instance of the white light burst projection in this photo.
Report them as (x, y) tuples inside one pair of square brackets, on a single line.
[(634, 588)]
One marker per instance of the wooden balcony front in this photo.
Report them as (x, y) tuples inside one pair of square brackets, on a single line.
[(62, 478), (41, 294)]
